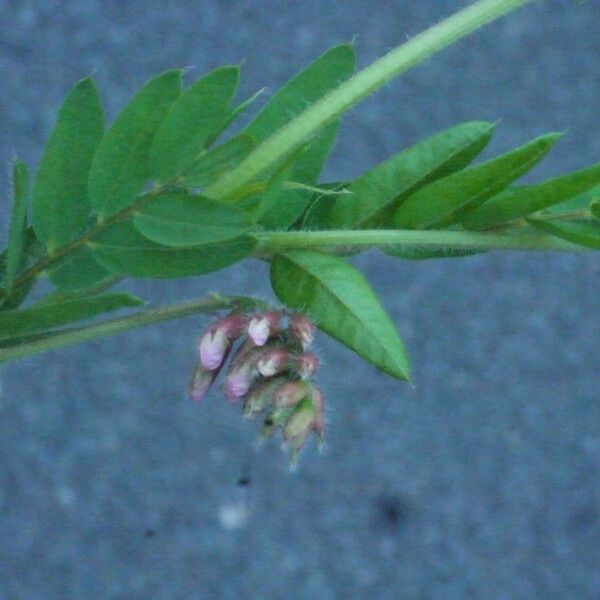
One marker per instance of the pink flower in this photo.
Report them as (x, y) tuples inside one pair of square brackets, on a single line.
[(302, 329), (216, 341), (264, 326)]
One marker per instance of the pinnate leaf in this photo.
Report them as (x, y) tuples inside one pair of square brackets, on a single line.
[(48, 316), (59, 199), (447, 200), (78, 270), (342, 304), (120, 168), (376, 194), (198, 112), (313, 82), (181, 219), (581, 232), (17, 235), (211, 164), (515, 203), (123, 250)]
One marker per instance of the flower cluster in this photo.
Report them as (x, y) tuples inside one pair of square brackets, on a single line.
[(270, 371)]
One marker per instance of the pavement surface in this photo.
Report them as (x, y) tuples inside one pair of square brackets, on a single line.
[(479, 482)]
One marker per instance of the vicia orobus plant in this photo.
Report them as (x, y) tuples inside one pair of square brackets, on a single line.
[(165, 193)]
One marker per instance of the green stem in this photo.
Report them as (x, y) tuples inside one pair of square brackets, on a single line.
[(59, 339), (349, 93), (464, 240)]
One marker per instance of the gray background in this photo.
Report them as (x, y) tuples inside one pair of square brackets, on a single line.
[(481, 482)]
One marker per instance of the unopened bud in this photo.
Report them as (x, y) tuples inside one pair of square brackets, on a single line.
[(238, 383), (319, 419), (272, 362), (290, 393), (201, 380), (302, 329), (261, 396), (264, 326), (278, 418), (218, 339), (301, 420), (306, 364)]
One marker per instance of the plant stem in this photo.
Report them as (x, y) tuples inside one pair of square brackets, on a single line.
[(352, 91), (464, 240), (59, 339)]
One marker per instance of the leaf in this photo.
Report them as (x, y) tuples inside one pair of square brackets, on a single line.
[(582, 233), (123, 250), (595, 209), (376, 194), (180, 219), (214, 162), (233, 115), (17, 235), (522, 201), (120, 167), (59, 199), (313, 82), (38, 319), (78, 270), (425, 253), (447, 200), (33, 251), (192, 119), (342, 304)]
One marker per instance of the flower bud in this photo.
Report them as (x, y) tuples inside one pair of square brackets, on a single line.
[(290, 393), (302, 329), (273, 361), (264, 326), (306, 364), (277, 418), (261, 396), (318, 424), (201, 380), (218, 338), (238, 383), (301, 420)]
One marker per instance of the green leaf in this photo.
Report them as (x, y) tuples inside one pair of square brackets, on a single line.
[(39, 319), (211, 164), (318, 78), (426, 253), (309, 164), (192, 119), (595, 209), (123, 250), (78, 270), (180, 219), (580, 232), (120, 168), (522, 201), (17, 235), (33, 251), (59, 199), (377, 193), (447, 200), (342, 304)]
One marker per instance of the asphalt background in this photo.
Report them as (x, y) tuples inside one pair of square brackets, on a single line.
[(481, 482)]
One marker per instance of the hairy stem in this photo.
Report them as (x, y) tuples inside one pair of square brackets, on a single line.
[(67, 337), (270, 242)]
